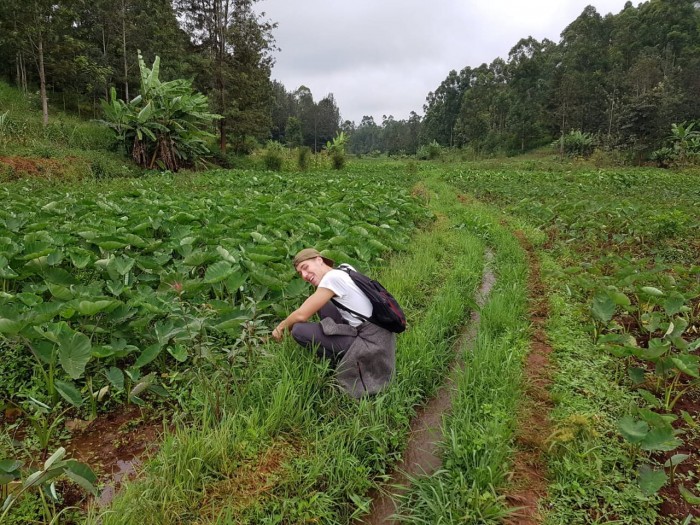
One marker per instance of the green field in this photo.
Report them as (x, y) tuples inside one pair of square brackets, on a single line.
[(159, 292)]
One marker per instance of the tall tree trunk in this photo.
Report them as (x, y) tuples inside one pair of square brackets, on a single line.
[(42, 82), (126, 65)]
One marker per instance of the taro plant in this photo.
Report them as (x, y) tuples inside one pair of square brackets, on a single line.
[(43, 480), (650, 432), (661, 321)]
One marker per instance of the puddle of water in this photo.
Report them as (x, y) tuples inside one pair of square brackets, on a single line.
[(123, 470)]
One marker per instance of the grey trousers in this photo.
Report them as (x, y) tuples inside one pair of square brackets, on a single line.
[(331, 347)]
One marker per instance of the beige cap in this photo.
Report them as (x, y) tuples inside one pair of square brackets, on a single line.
[(310, 253)]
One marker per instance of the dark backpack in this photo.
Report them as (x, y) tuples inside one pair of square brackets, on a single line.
[(386, 311)]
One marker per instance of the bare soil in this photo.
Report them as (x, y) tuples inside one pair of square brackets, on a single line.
[(528, 478), (114, 445), (421, 456)]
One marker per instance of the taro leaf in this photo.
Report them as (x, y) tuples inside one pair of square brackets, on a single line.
[(115, 288), (674, 303), (218, 272), (94, 307), (259, 238), (159, 390), (260, 257), (688, 496), (149, 354), (74, 352), (688, 364), (69, 392), (29, 299), (141, 386), (657, 348), (56, 456), (116, 377), (633, 430), (650, 481), (9, 470), (179, 352), (109, 243), (618, 297), (603, 307), (197, 258), (650, 398), (82, 475), (651, 291), (5, 271), (675, 460), (676, 328), (59, 276), (55, 257), (10, 465), (225, 255), (267, 280), (235, 281), (636, 374), (167, 330), (80, 258), (660, 438), (122, 264), (10, 326), (296, 288), (60, 292)]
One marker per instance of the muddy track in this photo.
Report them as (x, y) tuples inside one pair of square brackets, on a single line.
[(421, 456), (528, 478)]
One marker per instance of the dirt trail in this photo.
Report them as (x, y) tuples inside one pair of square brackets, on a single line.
[(422, 451), (528, 479)]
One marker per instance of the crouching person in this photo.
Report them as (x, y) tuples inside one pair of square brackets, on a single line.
[(362, 353)]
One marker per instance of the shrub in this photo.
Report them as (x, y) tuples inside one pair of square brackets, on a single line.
[(303, 157), (273, 158), (336, 150), (430, 151), (576, 144)]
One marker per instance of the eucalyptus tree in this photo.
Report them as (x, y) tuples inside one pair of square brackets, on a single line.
[(235, 45)]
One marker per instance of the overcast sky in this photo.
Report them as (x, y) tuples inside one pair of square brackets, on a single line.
[(382, 57)]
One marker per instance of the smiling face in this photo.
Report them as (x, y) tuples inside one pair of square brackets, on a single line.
[(313, 270)]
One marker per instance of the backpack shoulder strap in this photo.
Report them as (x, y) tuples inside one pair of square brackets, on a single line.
[(344, 267)]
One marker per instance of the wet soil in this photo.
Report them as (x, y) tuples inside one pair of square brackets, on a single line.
[(528, 477), (421, 456), (114, 445)]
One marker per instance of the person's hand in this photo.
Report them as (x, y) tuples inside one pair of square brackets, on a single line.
[(278, 334)]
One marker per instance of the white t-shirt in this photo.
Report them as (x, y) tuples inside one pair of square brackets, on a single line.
[(348, 294)]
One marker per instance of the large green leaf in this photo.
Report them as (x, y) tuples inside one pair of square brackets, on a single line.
[(650, 480), (218, 272), (633, 430), (603, 307), (69, 392), (149, 354), (74, 353)]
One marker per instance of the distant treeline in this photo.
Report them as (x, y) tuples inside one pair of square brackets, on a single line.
[(622, 79)]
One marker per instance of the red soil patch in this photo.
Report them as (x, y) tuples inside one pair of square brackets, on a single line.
[(529, 483), (114, 444), (14, 168)]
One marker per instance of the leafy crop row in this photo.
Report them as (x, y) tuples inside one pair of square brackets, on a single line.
[(111, 287)]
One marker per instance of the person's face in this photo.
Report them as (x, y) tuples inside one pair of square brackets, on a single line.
[(312, 270)]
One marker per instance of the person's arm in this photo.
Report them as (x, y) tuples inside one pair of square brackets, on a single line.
[(302, 314)]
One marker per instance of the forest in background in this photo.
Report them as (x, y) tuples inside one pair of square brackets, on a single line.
[(620, 81)]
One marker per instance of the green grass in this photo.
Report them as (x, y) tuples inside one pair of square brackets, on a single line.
[(337, 449), (479, 428)]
